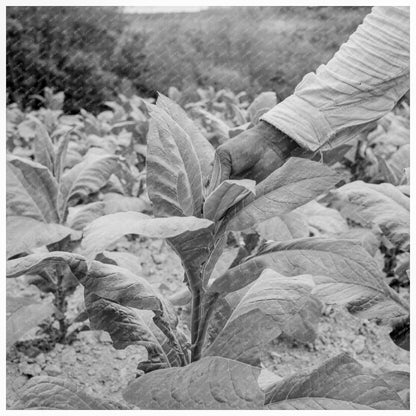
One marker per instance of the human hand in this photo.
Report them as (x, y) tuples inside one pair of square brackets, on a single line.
[(255, 153)]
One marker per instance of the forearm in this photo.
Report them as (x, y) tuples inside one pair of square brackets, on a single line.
[(362, 82)]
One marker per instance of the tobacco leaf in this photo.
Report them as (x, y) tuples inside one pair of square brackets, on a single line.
[(23, 316), (341, 379), (106, 230), (32, 191), (47, 393), (202, 146), (284, 227), (210, 383), (89, 212), (125, 326), (344, 273), (86, 177), (227, 194), (122, 259), (42, 145), (297, 182), (382, 205), (322, 221), (174, 177), (24, 234), (274, 304)]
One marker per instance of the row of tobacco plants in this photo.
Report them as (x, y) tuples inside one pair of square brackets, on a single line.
[(311, 233)]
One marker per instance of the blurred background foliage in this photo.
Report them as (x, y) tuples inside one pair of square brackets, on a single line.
[(94, 53)]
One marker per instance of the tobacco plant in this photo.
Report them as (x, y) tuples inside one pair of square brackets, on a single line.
[(40, 194), (277, 290)]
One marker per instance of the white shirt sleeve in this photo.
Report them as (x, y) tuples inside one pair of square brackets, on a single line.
[(361, 83)]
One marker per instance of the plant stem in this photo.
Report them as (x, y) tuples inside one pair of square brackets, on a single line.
[(195, 318), (61, 304), (203, 327)]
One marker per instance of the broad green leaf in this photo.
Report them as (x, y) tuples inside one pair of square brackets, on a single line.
[(124, 325), (342, 379), (322, 221), (22, 318), (174, 178), (382, 206), (316, 403), (106, 230), (367, 238), (227, 194), (122, 259), (24, 234), (49, 393), (42, 146), (85, 214), (284, 227), (35, 263), (60, 156), (121, 286), (343, 272), (202, 146), (87, 176), (273, 305), (31, 190), (399, 381), (215, 252), (208, 384), (109, 290), (262, 103), (297, 182), (227, 257)]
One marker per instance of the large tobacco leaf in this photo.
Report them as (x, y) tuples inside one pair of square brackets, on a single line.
[(24, 234), (110, 291), (202, 146), (174, 177), (210, 383), (35, 263), (47, 393), (227, 194), (343, 271), (126, 326), (86, 177), (297, 182), (23, 314), (32, 191), (105, 280), (84, 215), (322, 221), (381, 205), (122, 259), (284, 227), (339, 383), (42, 145), (274, 304), (106, 230)]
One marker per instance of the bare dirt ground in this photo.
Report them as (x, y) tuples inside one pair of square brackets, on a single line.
[(95, 366)]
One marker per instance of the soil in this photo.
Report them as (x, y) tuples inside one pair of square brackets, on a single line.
[(92, 363)]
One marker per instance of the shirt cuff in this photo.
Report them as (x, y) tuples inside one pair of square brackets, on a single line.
[(300, 121)]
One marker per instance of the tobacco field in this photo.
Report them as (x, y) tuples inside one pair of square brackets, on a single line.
[(137, 279)]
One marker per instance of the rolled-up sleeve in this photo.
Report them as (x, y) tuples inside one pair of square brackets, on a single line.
[(361, 83)]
